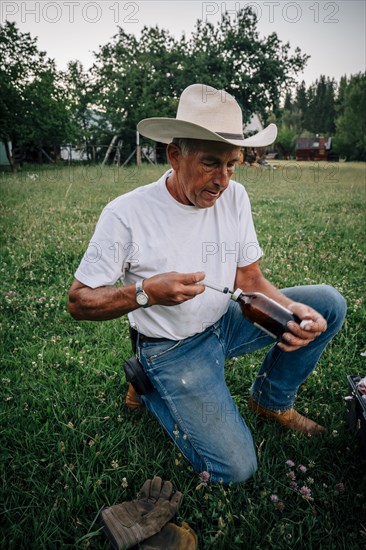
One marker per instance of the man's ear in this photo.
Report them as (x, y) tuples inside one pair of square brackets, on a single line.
[(174, 155)]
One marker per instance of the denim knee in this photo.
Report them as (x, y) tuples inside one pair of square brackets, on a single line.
[(236, 471), (241, 473), (335, 307)]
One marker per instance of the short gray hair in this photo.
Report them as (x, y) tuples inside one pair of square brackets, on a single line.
[(186, 145)]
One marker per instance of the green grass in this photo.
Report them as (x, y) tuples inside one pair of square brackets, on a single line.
[(68, 442)]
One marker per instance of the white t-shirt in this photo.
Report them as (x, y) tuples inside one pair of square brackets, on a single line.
[(146, 232)]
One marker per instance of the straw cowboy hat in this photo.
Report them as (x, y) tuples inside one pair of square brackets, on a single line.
[(209, 114)]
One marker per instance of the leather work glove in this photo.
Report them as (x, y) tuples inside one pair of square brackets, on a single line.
[(172, 537), (129, 523)]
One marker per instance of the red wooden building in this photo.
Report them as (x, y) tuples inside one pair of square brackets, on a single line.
[(314, 148)]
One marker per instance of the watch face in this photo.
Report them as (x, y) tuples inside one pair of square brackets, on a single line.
[(142, 299)]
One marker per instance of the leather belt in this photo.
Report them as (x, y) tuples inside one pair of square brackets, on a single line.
[(134, 335), (150, 339)]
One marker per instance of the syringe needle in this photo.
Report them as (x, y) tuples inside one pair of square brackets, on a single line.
[(224, 290)]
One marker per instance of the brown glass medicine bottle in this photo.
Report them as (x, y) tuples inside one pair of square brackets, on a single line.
[(265, 313)]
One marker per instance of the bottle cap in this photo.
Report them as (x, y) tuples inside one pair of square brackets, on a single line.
[(235, 295)]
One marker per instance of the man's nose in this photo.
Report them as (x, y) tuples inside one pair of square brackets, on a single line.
[(222, 176)]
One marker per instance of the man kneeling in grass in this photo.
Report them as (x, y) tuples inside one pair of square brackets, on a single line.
[(195, 222)]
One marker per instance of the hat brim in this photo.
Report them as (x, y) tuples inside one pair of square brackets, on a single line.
[(165, 129)]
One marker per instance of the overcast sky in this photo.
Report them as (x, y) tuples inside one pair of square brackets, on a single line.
[(332, 33)]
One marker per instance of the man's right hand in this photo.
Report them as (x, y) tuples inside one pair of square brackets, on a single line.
[(170, 289)]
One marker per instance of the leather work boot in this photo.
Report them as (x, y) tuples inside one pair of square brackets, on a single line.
[(288, 419), (131, 400)]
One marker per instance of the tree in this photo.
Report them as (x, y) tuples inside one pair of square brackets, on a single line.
[(86, 123), (317, 106), (288, 106), (32, 106), (233, 56), (290, 128), (320, 113), (139, 78), (134, 79), (350, 134), (339, 102), (46, 120), (301, 101)]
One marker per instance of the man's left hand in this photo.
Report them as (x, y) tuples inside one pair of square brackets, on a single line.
[(298, 337)]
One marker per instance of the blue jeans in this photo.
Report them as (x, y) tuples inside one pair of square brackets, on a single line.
[(192, 402)]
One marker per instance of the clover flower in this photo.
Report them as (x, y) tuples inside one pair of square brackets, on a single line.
[(290, 463), (124, 483), (305, 491), (204, 476)]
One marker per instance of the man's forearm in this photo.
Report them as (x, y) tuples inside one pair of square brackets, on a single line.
[(258, 283), (101, 304)]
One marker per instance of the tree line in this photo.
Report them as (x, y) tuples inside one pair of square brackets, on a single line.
[(329, 109), (134, 78)]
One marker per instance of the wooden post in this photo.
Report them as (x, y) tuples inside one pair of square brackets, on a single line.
[(109, 150), (147, 158), (117, 156), (129, 158), (46, 155), (138, 149)]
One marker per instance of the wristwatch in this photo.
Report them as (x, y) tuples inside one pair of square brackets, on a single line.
[(141, 297)]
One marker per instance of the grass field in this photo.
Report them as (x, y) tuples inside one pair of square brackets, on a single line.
[(68, 444)]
